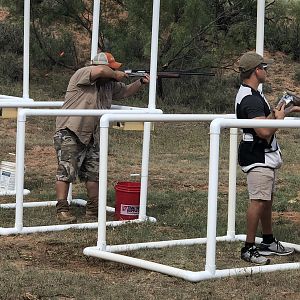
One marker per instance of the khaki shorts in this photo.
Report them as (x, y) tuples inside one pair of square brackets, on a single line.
[(261, 183), (75, 158)]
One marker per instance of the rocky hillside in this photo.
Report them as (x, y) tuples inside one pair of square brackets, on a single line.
[(281, 76)]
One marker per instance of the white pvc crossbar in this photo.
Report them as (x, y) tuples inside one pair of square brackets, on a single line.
[(16, 102), (106, 251), (20, 154)]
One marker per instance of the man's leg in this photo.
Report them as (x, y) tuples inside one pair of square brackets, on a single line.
[(266, 218), (67, 150), (269, 244), (92, 188), (254, 214), (62, 206), (249, 252), (89, 172), (62, 188)]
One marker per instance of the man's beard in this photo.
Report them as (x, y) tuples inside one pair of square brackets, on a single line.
[(103, 81)]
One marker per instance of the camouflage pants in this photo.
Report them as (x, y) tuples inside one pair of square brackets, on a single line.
[(75, 158)]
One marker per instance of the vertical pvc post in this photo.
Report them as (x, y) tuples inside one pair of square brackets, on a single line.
[(260, 27), (145, 170), (26, 49), (232, 182), (95, 32), (260, 30), (210, 265), (151, 105), (69, 197), (101, 243), (20, 153), (154, 53)]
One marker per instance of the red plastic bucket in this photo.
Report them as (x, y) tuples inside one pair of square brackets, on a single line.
[(127, 200)]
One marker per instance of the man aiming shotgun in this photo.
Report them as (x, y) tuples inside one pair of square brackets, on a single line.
[(165, 74), (76, 139)]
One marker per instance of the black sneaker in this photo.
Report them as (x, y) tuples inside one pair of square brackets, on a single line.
[(274, 248), (252, 255)]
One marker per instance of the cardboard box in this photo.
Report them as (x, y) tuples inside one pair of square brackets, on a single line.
[(137, 126)]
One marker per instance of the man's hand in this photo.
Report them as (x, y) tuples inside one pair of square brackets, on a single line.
[(119, 75), (294, 109), (279, 112), (145, 79)]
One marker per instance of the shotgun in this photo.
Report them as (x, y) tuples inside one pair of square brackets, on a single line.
[(166, 74)]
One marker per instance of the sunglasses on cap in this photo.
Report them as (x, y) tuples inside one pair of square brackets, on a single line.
[(263, 67)]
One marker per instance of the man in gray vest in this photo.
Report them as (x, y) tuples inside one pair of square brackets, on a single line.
[(259, 156), (76, 139)]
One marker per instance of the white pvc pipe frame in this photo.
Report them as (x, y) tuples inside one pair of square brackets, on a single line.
[(107, 251), (15, 102), (192, 276), (20, 154)]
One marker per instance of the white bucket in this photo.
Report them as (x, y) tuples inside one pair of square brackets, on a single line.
[(7, 176)]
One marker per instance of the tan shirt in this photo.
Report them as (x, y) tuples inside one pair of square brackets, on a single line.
[(84, 94)]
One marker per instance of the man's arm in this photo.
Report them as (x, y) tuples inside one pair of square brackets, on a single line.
[(103, 71), (132, 88), (266, 133), (294, 109)]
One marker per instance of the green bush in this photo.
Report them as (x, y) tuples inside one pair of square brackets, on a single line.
[(11, 38), (11, 49), (201, 94), (11, 67), (55, 49)]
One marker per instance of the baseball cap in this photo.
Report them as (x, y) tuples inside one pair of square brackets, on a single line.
[(251, 60), (105, 58)]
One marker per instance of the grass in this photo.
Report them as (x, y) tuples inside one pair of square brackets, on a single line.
[(52, 265)]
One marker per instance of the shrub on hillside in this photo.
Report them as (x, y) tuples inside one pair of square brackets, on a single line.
[(11, 67), (11, 38), (202, 94)]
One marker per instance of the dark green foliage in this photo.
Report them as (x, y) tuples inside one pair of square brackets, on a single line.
[(201, 94), (60, 51), (283, 30), (11, 67), (11, 45), (194, 35), (11, 38)]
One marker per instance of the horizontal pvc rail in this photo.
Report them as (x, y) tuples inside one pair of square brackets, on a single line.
[(164, 244), (59, 227), (186, 274), (185, 242), (6, 97), (10, 193), (29, 104), (107, 118), (22, 114), (21, 103), (81, 112), (101, 250)]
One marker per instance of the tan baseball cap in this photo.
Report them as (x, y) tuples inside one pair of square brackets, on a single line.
[(251, 60), (106, 58)]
